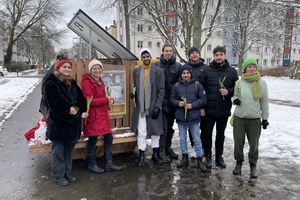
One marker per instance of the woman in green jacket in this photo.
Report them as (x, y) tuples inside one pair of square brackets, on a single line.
[(251, 98)]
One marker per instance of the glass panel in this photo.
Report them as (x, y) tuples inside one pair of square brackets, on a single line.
[(114, 84)]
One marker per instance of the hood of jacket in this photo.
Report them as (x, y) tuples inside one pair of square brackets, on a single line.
[(217, 65), (201, 62)]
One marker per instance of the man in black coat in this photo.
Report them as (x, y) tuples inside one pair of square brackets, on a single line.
[(171, 71), (218, 107)]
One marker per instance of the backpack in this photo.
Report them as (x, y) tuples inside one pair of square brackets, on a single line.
[(196, 87), (44, 109)]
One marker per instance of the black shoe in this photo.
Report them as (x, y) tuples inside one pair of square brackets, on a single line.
[(109, 165), (220, 162), (238, 168), (141, 159), (208, 161), (201, 165), (61, 181), (253, 172), (155, 157), (171, 153), (184, 161), (93, 167), (163, 157), (70, 178)]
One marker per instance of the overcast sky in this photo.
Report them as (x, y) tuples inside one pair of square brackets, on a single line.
[(72, 6)]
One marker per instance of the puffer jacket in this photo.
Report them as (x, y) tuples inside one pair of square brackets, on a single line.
[(187, 90), (171, 72), (217, 106), (198, 69)]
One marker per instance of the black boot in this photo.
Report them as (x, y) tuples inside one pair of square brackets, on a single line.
[(109, 165), (163, 157), (184, 161), (220, 161), (155, 157), (208, 161), (171, 153), (238, 168), (200, 164), (253, 172), (141, 160), (93, 167)]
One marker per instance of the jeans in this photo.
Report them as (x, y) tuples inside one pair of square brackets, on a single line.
[(195, 131), (108, 139), (61, 158), (165, 140)]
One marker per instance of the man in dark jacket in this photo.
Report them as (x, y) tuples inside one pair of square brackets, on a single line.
[(218, 82), (171, 70), (198, 65)]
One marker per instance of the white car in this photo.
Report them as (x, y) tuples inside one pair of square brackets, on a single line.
[(3, 71)]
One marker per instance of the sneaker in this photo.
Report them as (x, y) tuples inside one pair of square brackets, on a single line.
[(193, 153)]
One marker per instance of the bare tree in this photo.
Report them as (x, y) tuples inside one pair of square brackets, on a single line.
[(21, 15)]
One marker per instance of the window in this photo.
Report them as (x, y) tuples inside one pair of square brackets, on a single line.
[(294, 50), (236, 27), (287, 43), (257, 60), (211, 3), (149, 44), (272, 62), (288, 31), (299, 50), (140, 44), (265, 61), (208, 60), (210, 17), (149, 28), (277, 62), (140, 10), (266, 50), (234, 54), (209, 47), (225, 34), (225, 19), (158, 44), (172, 22), (235, 41), (219, 33), (286, 56), (140, 28)]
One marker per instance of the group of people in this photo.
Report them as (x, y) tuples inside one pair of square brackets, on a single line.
[(198, 96)]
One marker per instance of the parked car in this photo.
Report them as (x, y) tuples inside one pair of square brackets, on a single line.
[(3, 71)]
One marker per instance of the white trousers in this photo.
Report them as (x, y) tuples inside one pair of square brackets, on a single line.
[(142, 134)]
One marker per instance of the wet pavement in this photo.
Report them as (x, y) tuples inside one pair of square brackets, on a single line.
[(26, 176)]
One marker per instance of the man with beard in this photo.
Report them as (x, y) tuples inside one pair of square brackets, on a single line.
[(218, 82), (171, 71), (149, 81)]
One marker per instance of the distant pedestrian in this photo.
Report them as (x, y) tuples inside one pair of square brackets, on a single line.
[(218, 82), (67, 106), (147, 116), (188, 98), (98, 123), (251, 98)]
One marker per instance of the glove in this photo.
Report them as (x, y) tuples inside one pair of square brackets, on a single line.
[(237, 102), (155, 113), (264, 124), (132, 95)]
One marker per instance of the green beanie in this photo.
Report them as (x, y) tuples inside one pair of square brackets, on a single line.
[(249, 61)]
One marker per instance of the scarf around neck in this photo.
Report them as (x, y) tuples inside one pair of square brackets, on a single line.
[(256, 87), (67, 80), (144, 96)]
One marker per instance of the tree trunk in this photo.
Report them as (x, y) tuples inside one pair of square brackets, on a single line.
[(197, 30), (127, 27), (7, 57)]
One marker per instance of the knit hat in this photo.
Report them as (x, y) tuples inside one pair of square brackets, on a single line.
[(193, 49), (185, 67), (143, 50), (61, 62), (249, 61), (95, 62)]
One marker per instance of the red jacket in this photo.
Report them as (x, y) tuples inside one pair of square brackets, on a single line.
[(98, 120)]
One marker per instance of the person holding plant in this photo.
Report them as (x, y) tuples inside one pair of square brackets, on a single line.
[(188, 97), (67, 106), (251, 98), (218, 81), (97, 124)]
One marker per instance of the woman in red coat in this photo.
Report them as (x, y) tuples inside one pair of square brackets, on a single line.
[(97, 123)]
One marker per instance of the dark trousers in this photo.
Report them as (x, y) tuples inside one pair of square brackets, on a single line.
[(221, 123), (165, 140), (250, 128), (108, 139), (202, 130), (61, 158)]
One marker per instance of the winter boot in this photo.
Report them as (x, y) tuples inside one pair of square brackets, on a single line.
[(171, 153), (253, 172), (93, 167), (238, 168), (184, 161), (163, 157), (109, 165), (220, 161), (201, 165), (155, 157), (208, 161), (141, 160), (70, 178)]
